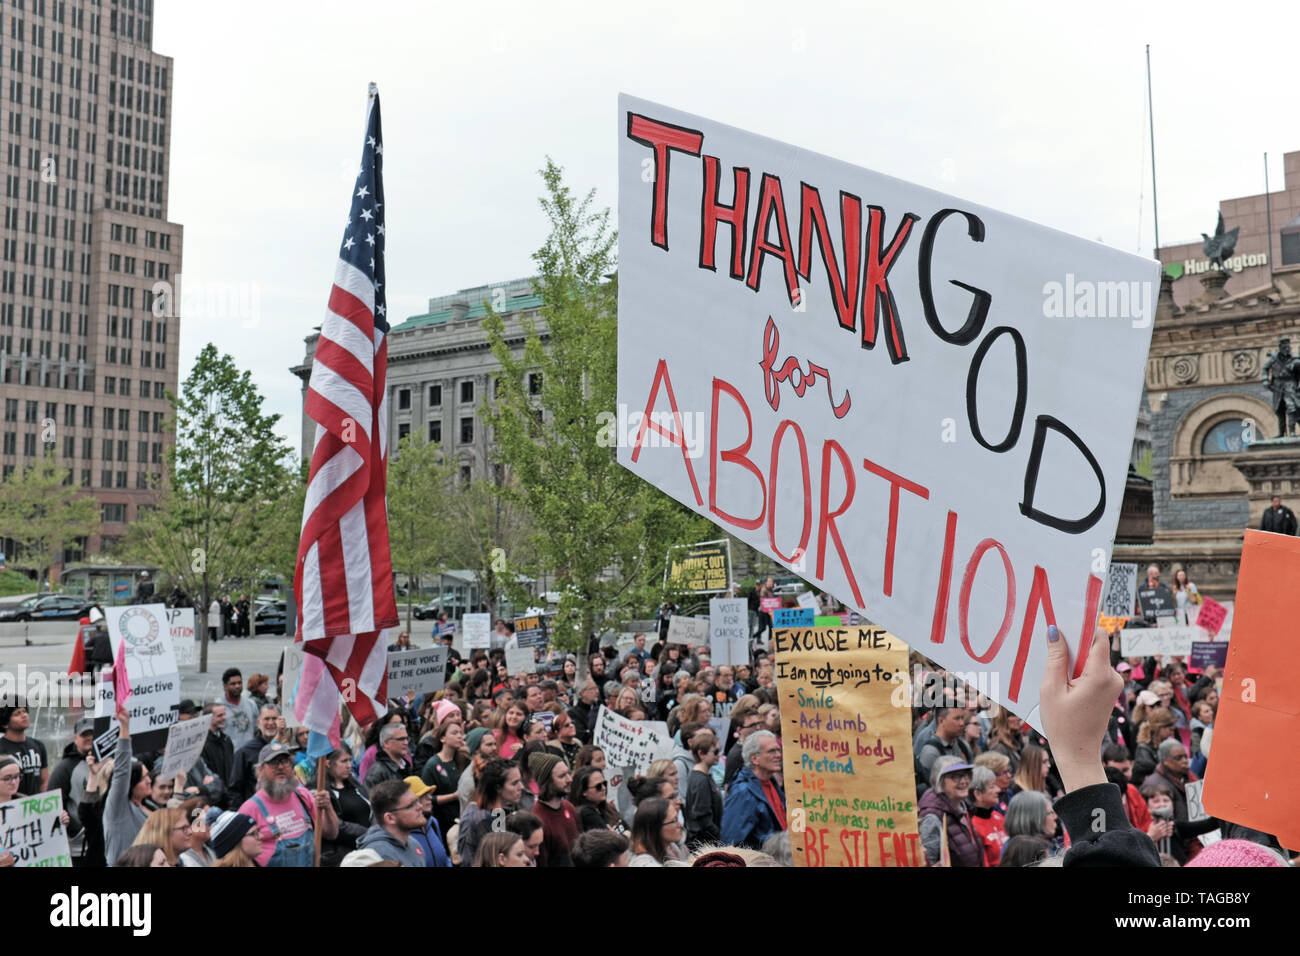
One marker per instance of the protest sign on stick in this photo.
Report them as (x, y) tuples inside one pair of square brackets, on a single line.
[(31, 828), (1153, 641), (728, 631), (1121, 590), (892, 390), (420, 671), (1212, 615), (631, 743), (848, 747), (520, 660), (688, 630), (185, 740), (531, 632), (793, 617), (477, 631)]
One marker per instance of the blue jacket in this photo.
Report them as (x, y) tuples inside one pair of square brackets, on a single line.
[(747, 818), (430, 841)]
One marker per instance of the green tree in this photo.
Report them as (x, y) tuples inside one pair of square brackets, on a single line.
[(603, 530), (420, 492), (44, 512), (229, 480), (493, 534)]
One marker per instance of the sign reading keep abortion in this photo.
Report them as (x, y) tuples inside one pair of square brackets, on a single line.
[(874, 383)]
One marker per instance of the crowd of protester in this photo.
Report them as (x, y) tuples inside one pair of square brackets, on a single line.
[(500, 769)]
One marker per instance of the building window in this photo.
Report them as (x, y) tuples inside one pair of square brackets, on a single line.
[(403, 399), (435, 433), (466, 392), (534, 383), (403, 430), (1223, 439), (114, 513), (464, 474), (466, 431), (435, 396)]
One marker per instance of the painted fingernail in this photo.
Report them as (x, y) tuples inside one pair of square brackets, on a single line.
[(1053, 634)]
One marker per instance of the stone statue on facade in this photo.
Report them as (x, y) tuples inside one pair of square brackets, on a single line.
[(1282, 379), (1221, 245)]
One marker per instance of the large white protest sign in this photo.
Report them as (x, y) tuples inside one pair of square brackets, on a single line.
[(292, 671), (477, 631), (185, 741), (910, 400), (1152, 641), (688, 630), (728, 631), (180, 622), (31, 828), (422, 671), (520, 660), (631, 743), (1121, 590), (150, 667)]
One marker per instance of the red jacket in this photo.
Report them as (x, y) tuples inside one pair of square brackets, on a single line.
[(991, 829)]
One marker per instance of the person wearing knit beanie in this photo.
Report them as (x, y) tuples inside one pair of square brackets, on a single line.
[(228, 830), (444, 709), (474, 738), (541, 765), (1236, 853)]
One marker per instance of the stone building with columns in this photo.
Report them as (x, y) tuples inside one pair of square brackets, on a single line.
[(1216, 454), (441, 367)]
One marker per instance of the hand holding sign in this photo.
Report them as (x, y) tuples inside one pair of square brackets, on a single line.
[(1075, 713)]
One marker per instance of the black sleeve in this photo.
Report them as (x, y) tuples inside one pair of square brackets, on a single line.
[(1099, 830), (1194, 828)]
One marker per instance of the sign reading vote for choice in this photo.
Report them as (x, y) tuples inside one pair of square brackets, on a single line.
[(919, 404)]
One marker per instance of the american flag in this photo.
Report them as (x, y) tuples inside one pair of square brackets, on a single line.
[(344, 584)]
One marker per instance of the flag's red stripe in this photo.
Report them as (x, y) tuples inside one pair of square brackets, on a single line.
[(347, 306)]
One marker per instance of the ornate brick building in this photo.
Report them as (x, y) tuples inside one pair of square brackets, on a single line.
[(1216, 460)]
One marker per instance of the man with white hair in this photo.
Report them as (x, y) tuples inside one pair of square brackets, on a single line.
[(286, 812), (754, 808)]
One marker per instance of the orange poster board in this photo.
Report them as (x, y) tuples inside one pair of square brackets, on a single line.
[(846, 722), (1259, 706)]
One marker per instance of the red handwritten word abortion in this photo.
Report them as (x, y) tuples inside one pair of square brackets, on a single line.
[(790, 372)]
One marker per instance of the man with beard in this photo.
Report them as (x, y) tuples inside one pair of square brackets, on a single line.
[(1173, 774), (287, 813), (245, 777), (559, 817), (724, 694), (583, 714)]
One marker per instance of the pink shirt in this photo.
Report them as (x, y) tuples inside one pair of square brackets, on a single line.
[(286, 815)]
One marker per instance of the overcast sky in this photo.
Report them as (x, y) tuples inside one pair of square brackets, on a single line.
[(1028, 108)]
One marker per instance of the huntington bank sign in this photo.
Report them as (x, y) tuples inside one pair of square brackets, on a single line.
[(1192, 267)]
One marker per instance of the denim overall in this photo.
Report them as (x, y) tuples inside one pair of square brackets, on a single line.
[(298, 851)]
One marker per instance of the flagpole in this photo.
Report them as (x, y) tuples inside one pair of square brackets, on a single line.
[(1155, 204), (320, 785), (1268, 210)]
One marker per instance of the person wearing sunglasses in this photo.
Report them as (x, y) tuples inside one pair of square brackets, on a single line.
[(397, 816), (703, 808), (589, 792)]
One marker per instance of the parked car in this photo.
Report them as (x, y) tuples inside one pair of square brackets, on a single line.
[(51, 607), (270, 617), (424, 612)]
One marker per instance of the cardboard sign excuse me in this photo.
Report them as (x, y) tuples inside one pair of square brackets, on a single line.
[(919, 404)]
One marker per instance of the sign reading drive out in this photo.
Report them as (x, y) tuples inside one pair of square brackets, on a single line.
[(876, 384)]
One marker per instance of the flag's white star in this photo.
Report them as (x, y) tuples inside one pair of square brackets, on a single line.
[(363, 192), (367, 214), (370, 140), (380, 229), (370, 238), (379, 148), (349, 243), (380, 309), (372, 263)]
